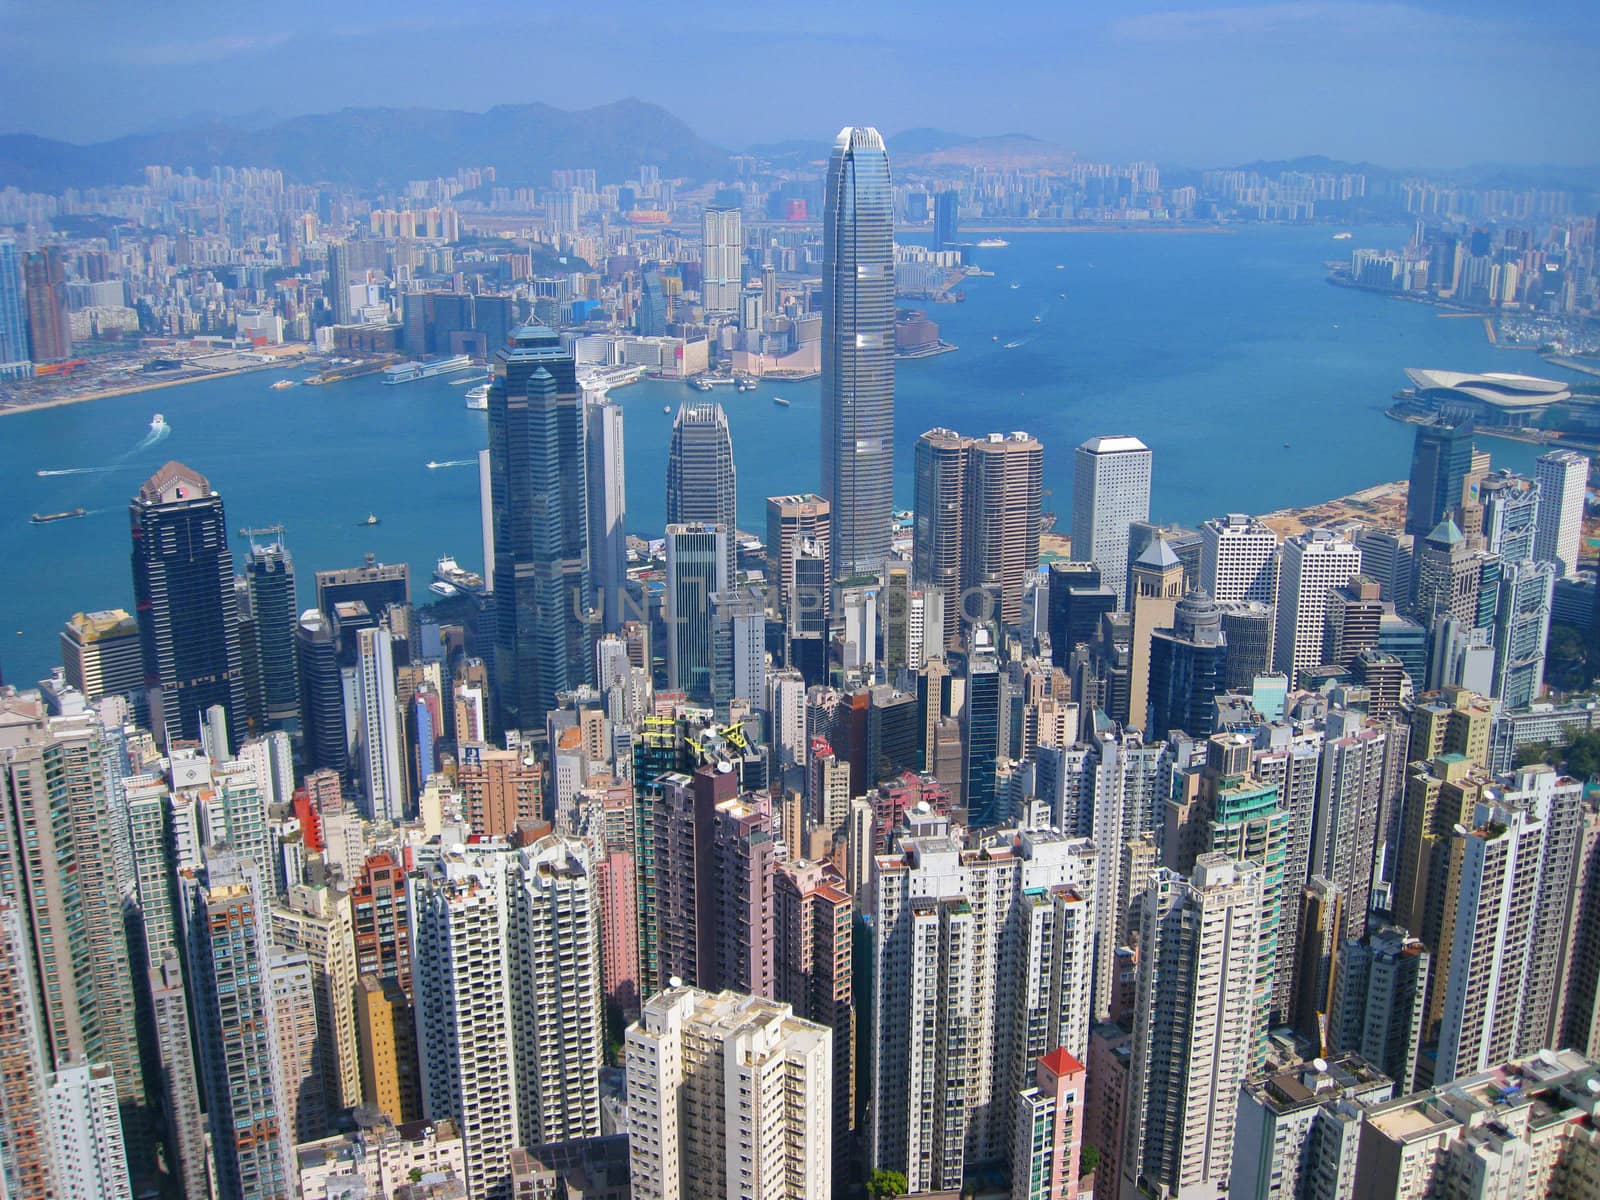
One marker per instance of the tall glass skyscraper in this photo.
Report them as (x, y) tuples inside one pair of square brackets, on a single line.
[(542, 585), (858, 351), (14, 360), (188, 608), (270, 571), (702, 485)]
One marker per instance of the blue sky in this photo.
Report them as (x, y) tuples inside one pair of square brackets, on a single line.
[(1427, 83)]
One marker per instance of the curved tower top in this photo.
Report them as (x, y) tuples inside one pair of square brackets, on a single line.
[(858, 351)]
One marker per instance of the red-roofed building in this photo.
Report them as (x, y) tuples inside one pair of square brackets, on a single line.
[(1044, 1157)]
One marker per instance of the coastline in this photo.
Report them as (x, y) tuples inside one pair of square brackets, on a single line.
[(7, 410)]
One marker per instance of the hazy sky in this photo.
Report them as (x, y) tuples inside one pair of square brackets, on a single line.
[(1433, 83)]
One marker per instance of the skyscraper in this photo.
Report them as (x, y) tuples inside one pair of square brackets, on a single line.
[(722, 259), (237, 1045), (85, 1134), (188, 611), (48, 328), (946, 218), (1378, 997), (981, 731), (381, 757), (1441, 459), (701, 483), (1110, 491), (270, 571), (858, 351), (101, 655), (339, 283), (689, 1055), (321, 693), (1236, 559), (1312, 565), (543, 586), (1194, 1021), (15, 362), (792, 523), (697, 569), (1521, 629), (1001, 531), (1562, 476), (1188, 667), (608, 507), (938, 514), (25, 1158)]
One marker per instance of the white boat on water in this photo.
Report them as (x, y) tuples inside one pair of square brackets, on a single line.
[(478, 398), (451, 574)]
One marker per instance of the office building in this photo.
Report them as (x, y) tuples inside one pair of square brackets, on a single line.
[(1299, 1129), (858, 351), (1510, 505), (738, 649), (187, 607), (1237, 559), (1198, 936), (1351, 624), (86, 1134), (697, 569), (374, 585), (1001, 527), (702, 486), (939, 515), (1521, 1127), (539, 489), (688, 1055), (956, 1027), (1441, 460), (1188, 668), (1521, 629), (981, 731), (380, 749), (794, 522), (1389, 558), (1447, 578), (15, 360), (1379, 989), (1078, 598), (1310, 566), (1110, 491), (1248, 627), (270, 572), (101, 655), (49, 329), (946, 219), (235, 1021), (607, 503), (721, 260), (325, 737), (1563, 477), (339, 282)]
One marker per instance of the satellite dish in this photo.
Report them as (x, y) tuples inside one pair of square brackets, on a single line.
[(675, 982), (1320, 1066), (529, 761), (723, 766)]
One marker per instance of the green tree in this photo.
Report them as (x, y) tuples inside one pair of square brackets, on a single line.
[(1567, 659), (1582, 755), (1534, 753), (1088, 1160), (885, 1185)]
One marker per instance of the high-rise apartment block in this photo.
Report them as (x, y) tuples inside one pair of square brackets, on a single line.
[(722, 259)]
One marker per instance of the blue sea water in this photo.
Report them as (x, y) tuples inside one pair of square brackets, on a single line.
[(1216, 349)]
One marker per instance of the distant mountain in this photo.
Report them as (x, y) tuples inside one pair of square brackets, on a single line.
[(368, 146)]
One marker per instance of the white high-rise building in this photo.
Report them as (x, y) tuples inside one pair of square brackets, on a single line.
[(722, 260), (381, 758), (729, 1096), (1237, 559), (607, 500), (1518, 866), (86, 1134), (1562, 476), (1193, 1038), (786, 706), (1310, 566), (1110, 491), (558, 1020), (318, 922), (981, 965)]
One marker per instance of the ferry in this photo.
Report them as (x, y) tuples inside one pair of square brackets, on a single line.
[(780, 402), (1038, 320), (1061, 266), (1015, 286), (666, 408), (372, 519), (1343, 236), (990, 243), (46, 518), (285, 383), (454, 576), (478, 398), (408, 372), (442, 589)]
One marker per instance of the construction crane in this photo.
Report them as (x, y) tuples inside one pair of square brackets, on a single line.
[(251, 531)]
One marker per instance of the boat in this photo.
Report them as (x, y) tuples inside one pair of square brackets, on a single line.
[(158, 423), (46, 518), (994, 337), (285, 383), (372, 519), (780, 402), (1038, 320), (700, 384), (1061, 295), (432, 465), (666, 408), (746, 384), (408, 372), (1061, 266), (990, 243), (478, 398), (440, 588), (1343, 236), (455, 577), (1015, 286)]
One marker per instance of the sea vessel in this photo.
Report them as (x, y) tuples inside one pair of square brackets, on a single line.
[(746, 384), (994, 337), (158, 423), (455, 577), (284, 383), (666, 408), (372, 519), (1061, 266), (46, 518), (1343, 236), (700, 384), (1015, 286), (478, 398), (991, 242), (408, 372), (440, 588), (1037, 319), (780, 401)]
